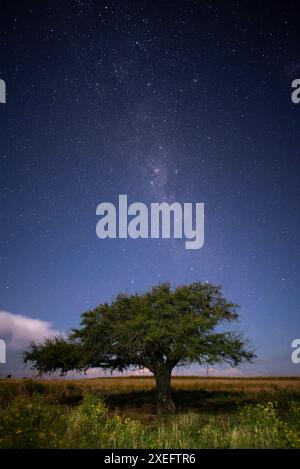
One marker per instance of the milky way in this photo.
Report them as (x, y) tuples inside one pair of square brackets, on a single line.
[(162, 101)]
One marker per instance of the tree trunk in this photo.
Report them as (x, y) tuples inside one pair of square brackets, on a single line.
[(164, 403)]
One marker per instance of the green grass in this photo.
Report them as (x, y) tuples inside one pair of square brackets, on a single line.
[(119, 413)]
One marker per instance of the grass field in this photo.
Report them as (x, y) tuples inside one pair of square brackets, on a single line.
[(120, 413)]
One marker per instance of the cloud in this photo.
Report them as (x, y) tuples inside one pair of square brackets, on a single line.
[(227, 371), (18, 331), (141, 372)]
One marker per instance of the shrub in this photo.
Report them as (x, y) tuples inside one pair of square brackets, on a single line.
[(262, 428), (93, 408), (35, 422), (89, 426), (30, 423)]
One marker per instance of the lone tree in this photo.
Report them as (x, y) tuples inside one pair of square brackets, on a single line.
[(157, 330)]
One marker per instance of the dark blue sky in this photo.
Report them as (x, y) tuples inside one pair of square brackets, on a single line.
[(186, 101)]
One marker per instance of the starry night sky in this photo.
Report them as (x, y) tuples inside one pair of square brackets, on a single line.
[(163, 101)]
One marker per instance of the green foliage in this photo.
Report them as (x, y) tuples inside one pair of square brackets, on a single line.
[(89, 426), (158, 330), (55, 353), (93, 408), (263, 428), (34, 423), (30, 423), (295, 410)]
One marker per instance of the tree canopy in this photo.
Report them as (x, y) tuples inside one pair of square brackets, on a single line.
[(158, 330)]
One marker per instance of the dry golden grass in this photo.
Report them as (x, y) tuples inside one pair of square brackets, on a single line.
[(211, 412), (124, 385)]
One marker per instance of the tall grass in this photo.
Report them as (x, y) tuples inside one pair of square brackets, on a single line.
[(130, 385), (34, 422)]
